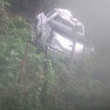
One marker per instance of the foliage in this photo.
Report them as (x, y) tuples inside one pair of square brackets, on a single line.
[(86, 89)]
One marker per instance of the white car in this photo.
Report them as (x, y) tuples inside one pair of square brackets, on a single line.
[(58, 28)]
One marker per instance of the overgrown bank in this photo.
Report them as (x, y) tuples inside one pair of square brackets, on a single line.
[(73, 91)]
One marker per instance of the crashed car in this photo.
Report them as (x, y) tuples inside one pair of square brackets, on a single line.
[(58, 28)]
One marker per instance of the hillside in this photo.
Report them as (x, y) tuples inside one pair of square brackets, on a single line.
[(23, 83)]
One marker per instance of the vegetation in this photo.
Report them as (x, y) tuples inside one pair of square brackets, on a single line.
[(22, 75)]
